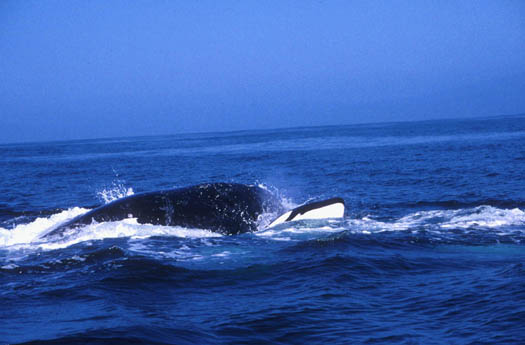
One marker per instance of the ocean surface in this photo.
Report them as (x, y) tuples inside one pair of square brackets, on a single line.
[(431, 249)]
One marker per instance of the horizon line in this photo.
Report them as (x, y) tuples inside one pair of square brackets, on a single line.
[(256, 129)]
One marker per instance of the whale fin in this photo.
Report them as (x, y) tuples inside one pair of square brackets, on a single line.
[(330, 208)]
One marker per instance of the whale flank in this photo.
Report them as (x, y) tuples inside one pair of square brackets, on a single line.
[(225, 208)]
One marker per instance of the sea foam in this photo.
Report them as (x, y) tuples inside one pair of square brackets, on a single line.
[(478, 219)]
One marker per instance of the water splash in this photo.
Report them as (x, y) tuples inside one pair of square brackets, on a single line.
[(24, 234), (267, 218), (116, 191), (481, 218)]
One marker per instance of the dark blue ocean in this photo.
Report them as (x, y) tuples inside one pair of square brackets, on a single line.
[(431, 249)]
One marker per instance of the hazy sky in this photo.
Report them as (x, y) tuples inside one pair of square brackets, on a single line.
[(87, 69)]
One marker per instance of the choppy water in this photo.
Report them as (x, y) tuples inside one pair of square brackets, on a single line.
[(431, 249)]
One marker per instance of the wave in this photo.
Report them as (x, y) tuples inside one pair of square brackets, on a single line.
[(28, 235), (465, 218), (481, 218), (457, 204)]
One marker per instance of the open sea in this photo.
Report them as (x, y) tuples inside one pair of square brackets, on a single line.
[(431, 249)]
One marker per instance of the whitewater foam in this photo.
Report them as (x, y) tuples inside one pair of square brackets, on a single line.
[(479, 218), (297, 230), (29, 235), (30, 232)]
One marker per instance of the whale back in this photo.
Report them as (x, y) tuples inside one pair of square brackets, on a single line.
[(226, 208)]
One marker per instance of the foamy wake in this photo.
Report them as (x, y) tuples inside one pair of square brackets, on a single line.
[(480, 218), (28, 235)]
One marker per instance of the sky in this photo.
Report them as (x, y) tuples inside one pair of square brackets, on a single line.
[(93, 69)]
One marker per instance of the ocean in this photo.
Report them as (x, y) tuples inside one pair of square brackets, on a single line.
[(431, 249)]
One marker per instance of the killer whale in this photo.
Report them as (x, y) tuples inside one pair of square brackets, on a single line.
[(226, 208)]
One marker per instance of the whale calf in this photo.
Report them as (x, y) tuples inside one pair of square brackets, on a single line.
[(225, 208)]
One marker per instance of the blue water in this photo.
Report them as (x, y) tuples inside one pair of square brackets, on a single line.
[(431, 248)]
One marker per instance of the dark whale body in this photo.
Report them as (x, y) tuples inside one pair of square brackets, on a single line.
[(226, 208)]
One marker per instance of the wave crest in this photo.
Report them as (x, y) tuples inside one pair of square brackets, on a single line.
[(481, 218)]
